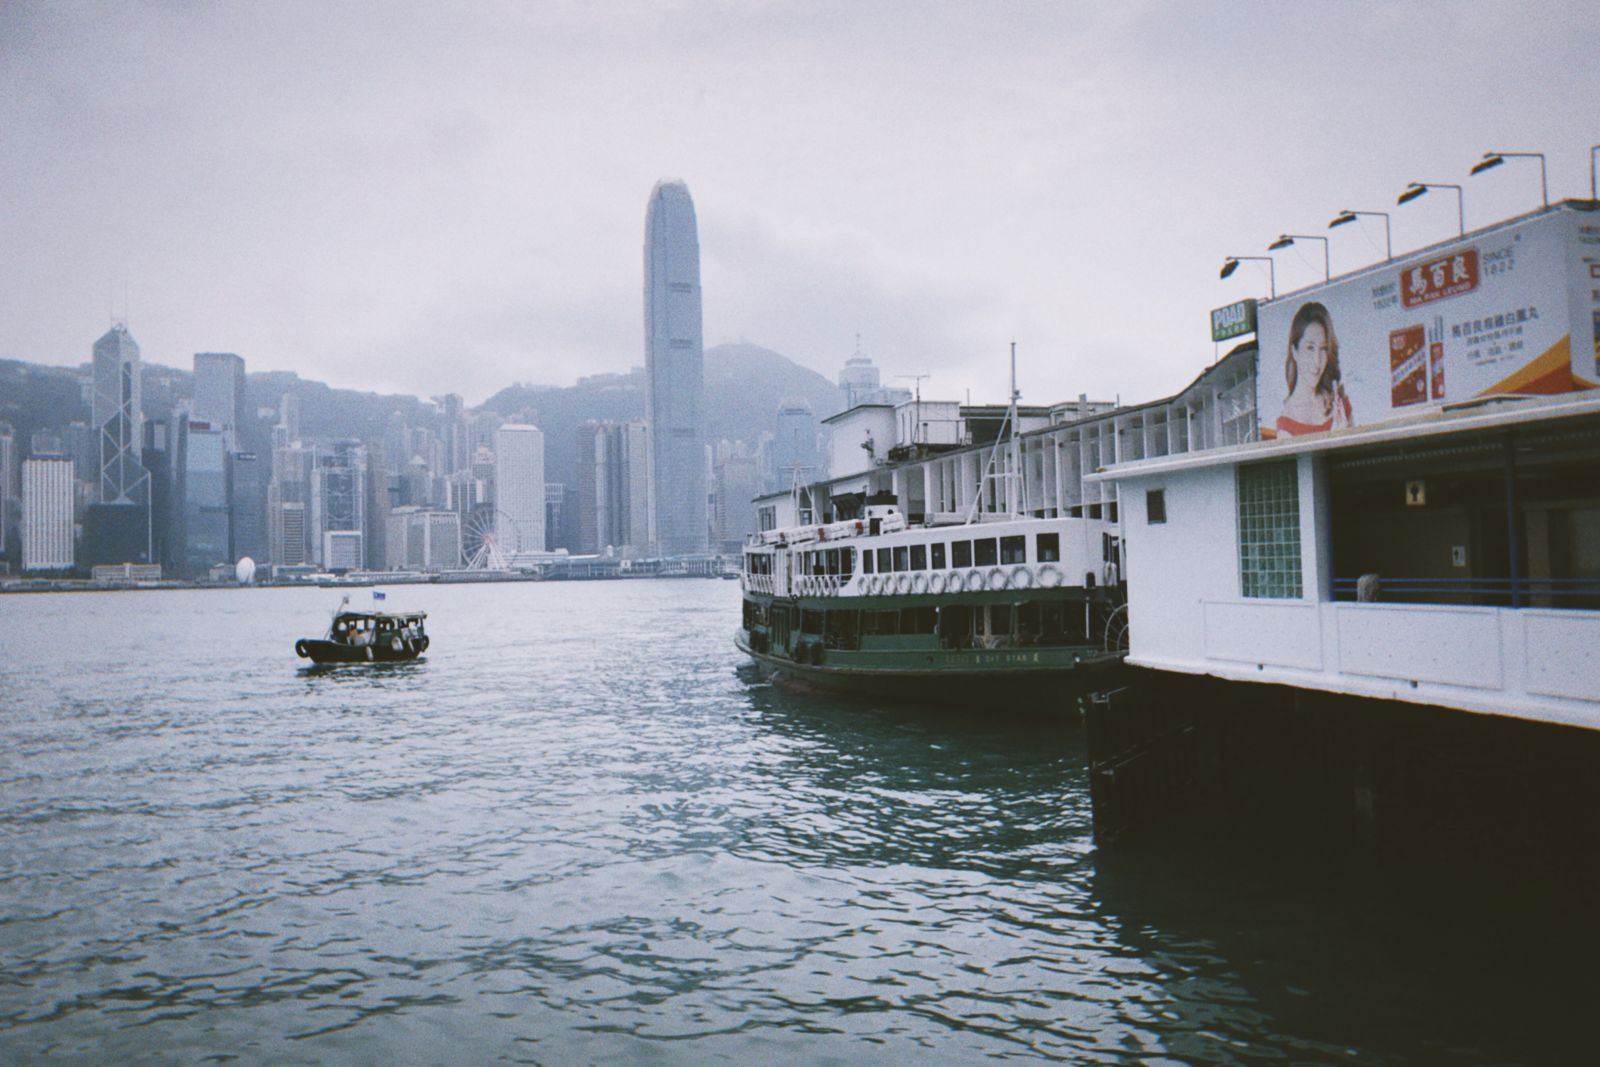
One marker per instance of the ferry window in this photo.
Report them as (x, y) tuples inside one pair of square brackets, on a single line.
[(938, 556), (847, 561), (880, 622), (811, 622), (1049, 548), (833, 561), (1269, 530), (1013, 550), (866, 561), (985, 553), (919, 557), (1155, 506), (961, 554), (900, 558), (917, 620), (883, 561)]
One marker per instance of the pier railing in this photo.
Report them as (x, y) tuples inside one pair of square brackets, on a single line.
[(1576, 593)]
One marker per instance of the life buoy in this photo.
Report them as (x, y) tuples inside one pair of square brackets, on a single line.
[(974, 581), (1050, 576), (1021, 577), (919, 583), (302, 649), (902, 583), (996, 578), (937, 582)]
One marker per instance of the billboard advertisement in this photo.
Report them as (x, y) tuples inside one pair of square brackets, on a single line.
[(1513, 310)]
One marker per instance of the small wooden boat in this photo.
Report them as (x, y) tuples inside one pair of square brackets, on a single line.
[(367, 637)]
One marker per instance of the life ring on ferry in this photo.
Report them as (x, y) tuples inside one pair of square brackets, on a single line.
[(1050, 576), (873, 584), (939, 583), (919, 583), (902, 583), (996, 579), (974, 581), (302, 649), (1021, 577)]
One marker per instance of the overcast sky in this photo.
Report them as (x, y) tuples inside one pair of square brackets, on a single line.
[(429, 197)]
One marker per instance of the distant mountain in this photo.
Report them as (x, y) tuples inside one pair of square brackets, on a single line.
[(744, 386)]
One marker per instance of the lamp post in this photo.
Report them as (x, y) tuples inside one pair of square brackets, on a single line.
[(1231, 264), (1491, 160), (1347, 216), (1416, 189), (1286, 239)]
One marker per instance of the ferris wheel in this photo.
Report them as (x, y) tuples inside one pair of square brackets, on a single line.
[(481, 545)]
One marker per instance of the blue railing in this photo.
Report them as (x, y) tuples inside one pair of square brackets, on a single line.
[(1577, 593)]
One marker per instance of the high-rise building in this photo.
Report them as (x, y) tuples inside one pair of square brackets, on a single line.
[(248, 506), (339, 501), (288, 499), (118, 528), (204, 492), (423, 539), (220, 394), (674, 368), (47, 490), (8, 482), (736, 484), (519, 488), (859, 383), (794, 446), (612, 496)]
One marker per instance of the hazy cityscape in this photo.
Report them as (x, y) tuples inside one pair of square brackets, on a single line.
[(162, 475)]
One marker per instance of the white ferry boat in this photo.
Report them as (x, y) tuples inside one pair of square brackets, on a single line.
[(876, 605)]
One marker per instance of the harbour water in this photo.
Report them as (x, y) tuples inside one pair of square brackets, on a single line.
[(582, 830)]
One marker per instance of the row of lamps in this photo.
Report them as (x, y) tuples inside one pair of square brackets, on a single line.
[(1413, 190)]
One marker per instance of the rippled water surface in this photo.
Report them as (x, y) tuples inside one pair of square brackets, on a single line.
[(582, 830)]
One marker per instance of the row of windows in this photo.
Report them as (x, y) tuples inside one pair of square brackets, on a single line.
[(979, 552)]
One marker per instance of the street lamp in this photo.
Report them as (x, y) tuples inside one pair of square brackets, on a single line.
[(1416, 189), (1491, 160), (1346, 216), (1231, 264), (1286, 239)]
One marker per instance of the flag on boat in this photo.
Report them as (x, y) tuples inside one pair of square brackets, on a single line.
[(378, 595)]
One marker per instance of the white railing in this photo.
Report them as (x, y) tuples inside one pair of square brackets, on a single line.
[(758, 583)]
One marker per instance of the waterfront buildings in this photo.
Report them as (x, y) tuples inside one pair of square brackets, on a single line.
[(674, 368), (47, 498), (423, 539), (519, 488)]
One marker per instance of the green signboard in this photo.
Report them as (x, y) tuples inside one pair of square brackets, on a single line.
[(1235, 320)]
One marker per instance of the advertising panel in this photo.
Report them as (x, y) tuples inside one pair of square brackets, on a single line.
[(1232, 321), (1515, 310)]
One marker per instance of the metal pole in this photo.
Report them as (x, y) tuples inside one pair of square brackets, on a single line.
[(1513, 548)]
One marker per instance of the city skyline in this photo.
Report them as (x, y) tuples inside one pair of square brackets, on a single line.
[(871, 174)]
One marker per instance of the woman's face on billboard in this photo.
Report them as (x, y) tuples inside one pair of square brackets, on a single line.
[(1311, 355)]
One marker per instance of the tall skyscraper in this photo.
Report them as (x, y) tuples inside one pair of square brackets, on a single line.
[(205, 491), (339, 505), (117, 528), (674, 368), (247, 503), (519, 488), (613, 487), (794, 446), (8, 482), (220, 393), (47, 487)]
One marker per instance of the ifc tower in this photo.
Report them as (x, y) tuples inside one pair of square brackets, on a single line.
[(674, 372)]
